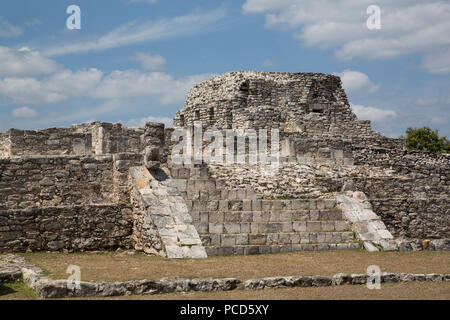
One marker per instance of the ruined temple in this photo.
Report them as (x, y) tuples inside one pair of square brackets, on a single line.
[(294, 102), (339, 184)]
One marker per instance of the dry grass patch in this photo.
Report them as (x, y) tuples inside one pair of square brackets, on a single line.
[(121, 266)]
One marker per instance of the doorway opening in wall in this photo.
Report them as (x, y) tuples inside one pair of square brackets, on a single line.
[(182, 120), (245, 86), (211, 115), (318, 108), (197, 115)]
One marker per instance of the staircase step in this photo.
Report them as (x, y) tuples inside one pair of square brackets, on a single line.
[(249, 205), (227, 240), (199, 204), (266, 249), (264, 216)]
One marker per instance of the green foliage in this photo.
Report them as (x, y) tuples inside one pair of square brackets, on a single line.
[(426, 139)]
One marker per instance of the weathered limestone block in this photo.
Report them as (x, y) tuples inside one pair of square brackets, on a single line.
[(163, 224), (365, 223)]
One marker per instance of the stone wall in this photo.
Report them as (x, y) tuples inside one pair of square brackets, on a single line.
[(403, 161), (83, 227), (388, 187), (415, 218), (84, 139), (55, 181), (53, 141), (114, 138)]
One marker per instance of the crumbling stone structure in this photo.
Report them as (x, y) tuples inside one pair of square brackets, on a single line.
[(339, 185)]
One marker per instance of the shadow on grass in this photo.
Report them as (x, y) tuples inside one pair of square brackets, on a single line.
[(4, 290), (16, 291)]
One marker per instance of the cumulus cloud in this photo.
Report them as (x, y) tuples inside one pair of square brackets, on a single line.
[(407, 26), (133, 83), (93, 83), (150, 62), (24, 112), (71, 83), (357, 82), (24, 62), (7, 30), (138, 32), (28, 91), (372, 113)]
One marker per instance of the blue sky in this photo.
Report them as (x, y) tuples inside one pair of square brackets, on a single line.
[(134, 60)]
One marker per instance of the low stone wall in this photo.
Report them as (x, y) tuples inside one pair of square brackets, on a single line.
[(339, 279), (84, 139), (434, 165), (12, 267), (415, 218), (53, 141), (87, 227), (114, 138), (54, 181), (402, 187)]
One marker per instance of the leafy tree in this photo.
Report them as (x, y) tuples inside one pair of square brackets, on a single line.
[(426, 139)]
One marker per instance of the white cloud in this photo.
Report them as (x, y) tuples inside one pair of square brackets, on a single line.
[(138, 32), (133, 83), (357, 82), (437, 121), (372, 113), (150, 62), (24, 112), (28, 91), (7, 30), (168, 122), (73, 83), (437, 62), (24, 62), (163, 87), (426, 101), (407, 26)]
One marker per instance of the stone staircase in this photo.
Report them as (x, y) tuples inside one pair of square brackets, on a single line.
[(240, 222), (162, 224)]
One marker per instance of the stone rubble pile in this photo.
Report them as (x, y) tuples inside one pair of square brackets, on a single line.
[(306, 180)]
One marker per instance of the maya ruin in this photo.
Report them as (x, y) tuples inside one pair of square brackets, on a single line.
[(338, 185)]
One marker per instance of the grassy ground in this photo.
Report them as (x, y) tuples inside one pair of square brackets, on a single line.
[(126, 265), (120, 266), (16, 291)]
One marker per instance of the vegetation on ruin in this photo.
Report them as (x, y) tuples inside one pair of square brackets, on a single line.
[(426, 139)]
